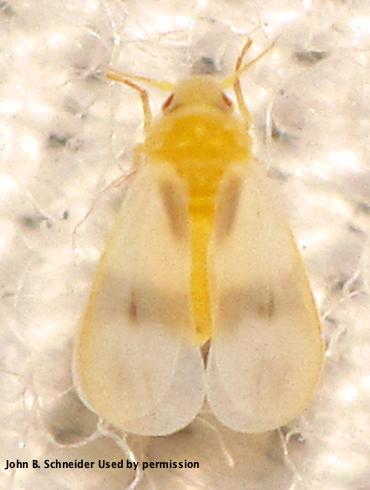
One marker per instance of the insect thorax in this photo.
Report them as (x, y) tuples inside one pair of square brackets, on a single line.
[(200, 142)]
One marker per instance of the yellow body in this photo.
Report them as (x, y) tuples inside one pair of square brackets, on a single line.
[(200, 244), (200, 137)]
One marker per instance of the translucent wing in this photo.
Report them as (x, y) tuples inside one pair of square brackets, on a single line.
[(266, 351), (135, 363)]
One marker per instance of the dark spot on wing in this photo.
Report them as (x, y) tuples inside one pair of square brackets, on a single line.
[(143, 304), (267, 307), (239, 302), (175, 208), (132, 308), (227, 207)]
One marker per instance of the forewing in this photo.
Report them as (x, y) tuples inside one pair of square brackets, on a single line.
[(135, 363), (266, 350)]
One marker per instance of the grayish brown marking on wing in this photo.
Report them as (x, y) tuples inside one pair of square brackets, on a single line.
[(235, 303), (175, 207), (132, 309), (227, 207), (266, 307)]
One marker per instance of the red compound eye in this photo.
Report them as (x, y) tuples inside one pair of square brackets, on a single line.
[(167, 103), (227, 101)]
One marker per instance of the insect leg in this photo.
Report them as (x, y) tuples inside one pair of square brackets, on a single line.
[(119, 77), (234, 80), (237, 87)]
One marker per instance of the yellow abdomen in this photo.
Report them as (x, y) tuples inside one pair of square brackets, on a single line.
[(200, 144)]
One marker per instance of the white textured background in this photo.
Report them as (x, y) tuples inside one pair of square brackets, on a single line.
[(66, 134)]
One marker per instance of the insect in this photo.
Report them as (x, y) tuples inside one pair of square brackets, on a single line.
[(200, 253)]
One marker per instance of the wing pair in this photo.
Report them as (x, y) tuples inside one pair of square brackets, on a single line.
[(136, 362)]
